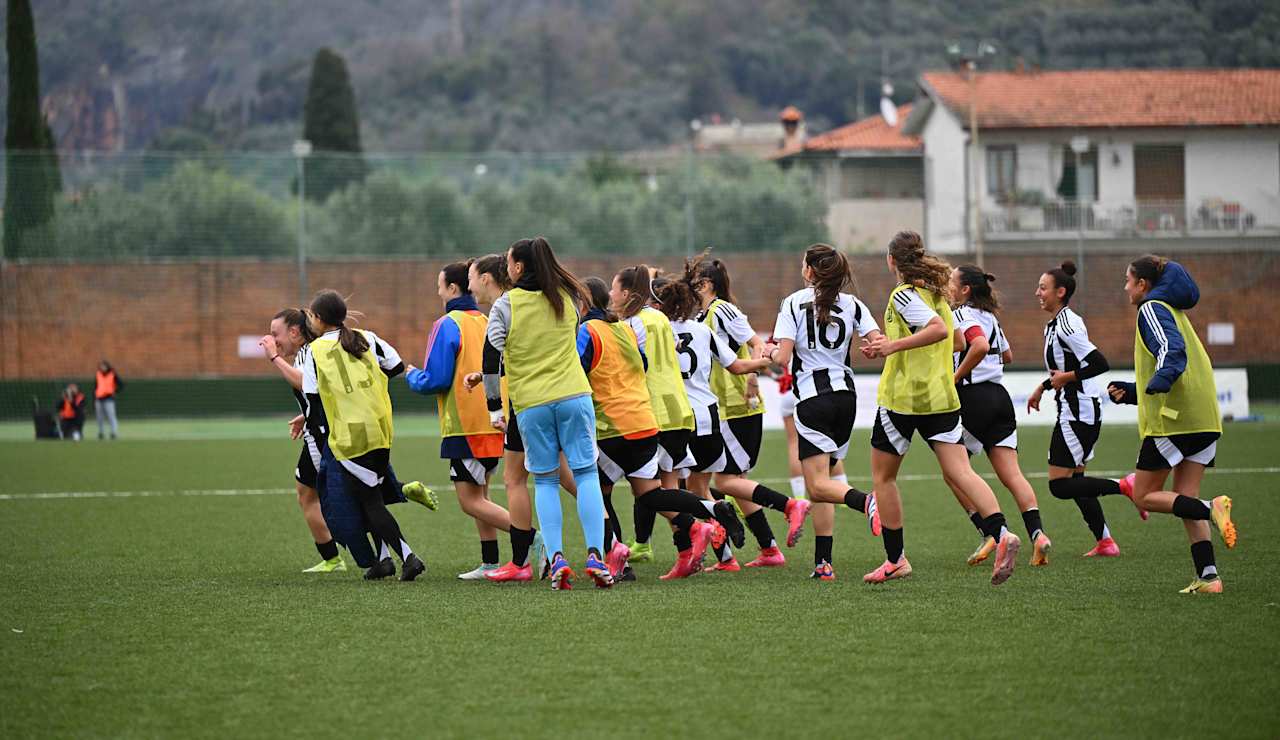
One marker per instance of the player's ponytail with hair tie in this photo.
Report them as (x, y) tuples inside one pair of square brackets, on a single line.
[(331, 309)]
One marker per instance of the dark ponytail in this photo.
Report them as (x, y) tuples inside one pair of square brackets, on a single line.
[(635, 280), (712, 270), (495, 266), (981, 294), (549, 275), (1064, 276), (1149, 267), (598, 289), (830, 270), (331, 309), (675, 298), (297, 318), (455, 273)]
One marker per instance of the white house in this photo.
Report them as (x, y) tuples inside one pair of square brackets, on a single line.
[(1191, 157), (872, 177)]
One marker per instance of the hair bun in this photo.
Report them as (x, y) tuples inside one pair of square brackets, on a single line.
[(989, 277), (1069, 267)]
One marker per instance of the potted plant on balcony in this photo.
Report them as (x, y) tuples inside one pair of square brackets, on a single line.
[(1028, 210)]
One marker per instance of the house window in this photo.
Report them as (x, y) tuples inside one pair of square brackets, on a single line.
[(1081, 185), (1002, 168)]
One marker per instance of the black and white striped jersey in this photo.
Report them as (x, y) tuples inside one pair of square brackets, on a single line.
[(991, 368), (1066, 344), (300, 362), (696, 348), (820, 362), (731, 325)]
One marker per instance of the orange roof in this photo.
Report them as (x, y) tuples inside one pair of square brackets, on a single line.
[(869, 134), (1114, 98)]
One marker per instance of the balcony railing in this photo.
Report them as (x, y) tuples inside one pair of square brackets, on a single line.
[(1104, 219)]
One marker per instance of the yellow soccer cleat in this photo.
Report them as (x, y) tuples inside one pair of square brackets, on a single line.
[(418, 493), (1220, 512), (336, 565), (1040, 550), (984, 551), (1201, 586)]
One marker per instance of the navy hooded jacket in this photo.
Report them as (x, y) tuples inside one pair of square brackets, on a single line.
[(1158, 329)]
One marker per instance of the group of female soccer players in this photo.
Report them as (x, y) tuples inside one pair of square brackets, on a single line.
[(652, 378)]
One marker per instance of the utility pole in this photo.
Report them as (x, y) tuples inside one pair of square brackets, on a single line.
[(302, 150), (969, 63)]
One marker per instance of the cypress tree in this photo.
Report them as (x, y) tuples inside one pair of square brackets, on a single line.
[(30, 181), (332, 125)]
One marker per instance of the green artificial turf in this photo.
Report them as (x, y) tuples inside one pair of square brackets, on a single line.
[(177, 609)]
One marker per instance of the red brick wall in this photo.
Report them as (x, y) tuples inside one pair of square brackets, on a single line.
[(183, 319)]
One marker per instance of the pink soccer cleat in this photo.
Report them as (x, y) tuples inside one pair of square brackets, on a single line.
[(617, 558), (797, 510), (770, 557), (701, 533), (1006, 557), (873, 515), (1106, 548), (1126, 487), (725, 566), (686, 565), (510, 573), (889, 571)]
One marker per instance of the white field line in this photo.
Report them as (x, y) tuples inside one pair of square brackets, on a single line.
[(54, 495)]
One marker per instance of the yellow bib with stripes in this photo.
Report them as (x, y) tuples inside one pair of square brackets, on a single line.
[(918, 381), (666, 387), (462, 412), (542, 351), (617, 382), (353, 391), (730, 389), (1191, 405)]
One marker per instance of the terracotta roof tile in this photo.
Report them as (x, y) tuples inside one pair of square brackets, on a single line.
[(869, 134), (1114, 98)]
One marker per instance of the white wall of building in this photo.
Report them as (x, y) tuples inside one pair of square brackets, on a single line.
[(1115, 171), (867, 225), (1237, 167), (944, 152)]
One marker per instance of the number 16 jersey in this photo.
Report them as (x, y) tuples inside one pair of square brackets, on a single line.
[(820, 362)]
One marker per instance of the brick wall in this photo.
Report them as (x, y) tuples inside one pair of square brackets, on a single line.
[(183, 319)]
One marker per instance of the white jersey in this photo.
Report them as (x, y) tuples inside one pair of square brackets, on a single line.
[(820, 362), (300, 363), (696, 349), (990, 369), (1066, 344)]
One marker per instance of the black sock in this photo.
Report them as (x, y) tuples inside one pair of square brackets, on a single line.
[(769, 498), (716, 494), (328, 550), (521, 540), (681, 540), (993, 525), (725, 553), (608, 535), (759, 527), (613, 519), (892, 544), (380, 521), (1202, 556), (976, 518), (665, 499), (1081, 486), (1091, 510), (683, 521), (856, 500), (643, 518), (1185, 507), (1031, 518), (822, 548), (489, 552)]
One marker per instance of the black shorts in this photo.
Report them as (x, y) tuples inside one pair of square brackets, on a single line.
[(627, 458), (1071, 445), (307, 471), (512, 439), (892, 431), (707, 450), (742, 443), (474, 470), (824, 423), (986, 411), (673, 450), (1163, 453)]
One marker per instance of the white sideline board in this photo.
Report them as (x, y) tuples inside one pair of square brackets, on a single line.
[(1232, 383)]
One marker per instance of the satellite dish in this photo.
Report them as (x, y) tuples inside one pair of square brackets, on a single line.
[(889, 112)]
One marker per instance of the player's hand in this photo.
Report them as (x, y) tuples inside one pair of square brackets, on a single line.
[(1033, 401), (497, 420), (753, 390), (1116, 392), (296, 425), (268, 345), (471, 380), (877, 346), (1060, 380)]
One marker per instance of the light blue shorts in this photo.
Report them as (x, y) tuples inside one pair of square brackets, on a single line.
[(567, 426)]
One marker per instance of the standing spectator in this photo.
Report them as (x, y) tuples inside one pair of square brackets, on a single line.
[(71, 413), (107, 384)]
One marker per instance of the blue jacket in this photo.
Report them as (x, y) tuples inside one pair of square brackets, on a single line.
[(436, 375), (586, 350), (1158, 329)]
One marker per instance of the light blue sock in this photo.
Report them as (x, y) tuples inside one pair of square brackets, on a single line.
[(546, 501), (590, 507)]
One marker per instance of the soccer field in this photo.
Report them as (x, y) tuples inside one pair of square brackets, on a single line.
[(151, 587)]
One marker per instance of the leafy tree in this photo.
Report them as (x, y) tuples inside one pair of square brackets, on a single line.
[(31, 167), (332, 125)]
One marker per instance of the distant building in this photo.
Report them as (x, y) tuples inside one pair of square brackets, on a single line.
[(750, 139), (1188, 157), (873, 177)]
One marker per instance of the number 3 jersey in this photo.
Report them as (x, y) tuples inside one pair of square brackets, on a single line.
[(820, 362), (696, 348)]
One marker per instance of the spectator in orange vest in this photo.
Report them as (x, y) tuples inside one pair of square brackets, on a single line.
[(107, 385), (71, 412)]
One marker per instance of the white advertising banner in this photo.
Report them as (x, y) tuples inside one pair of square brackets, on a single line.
[(1233, 398)]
